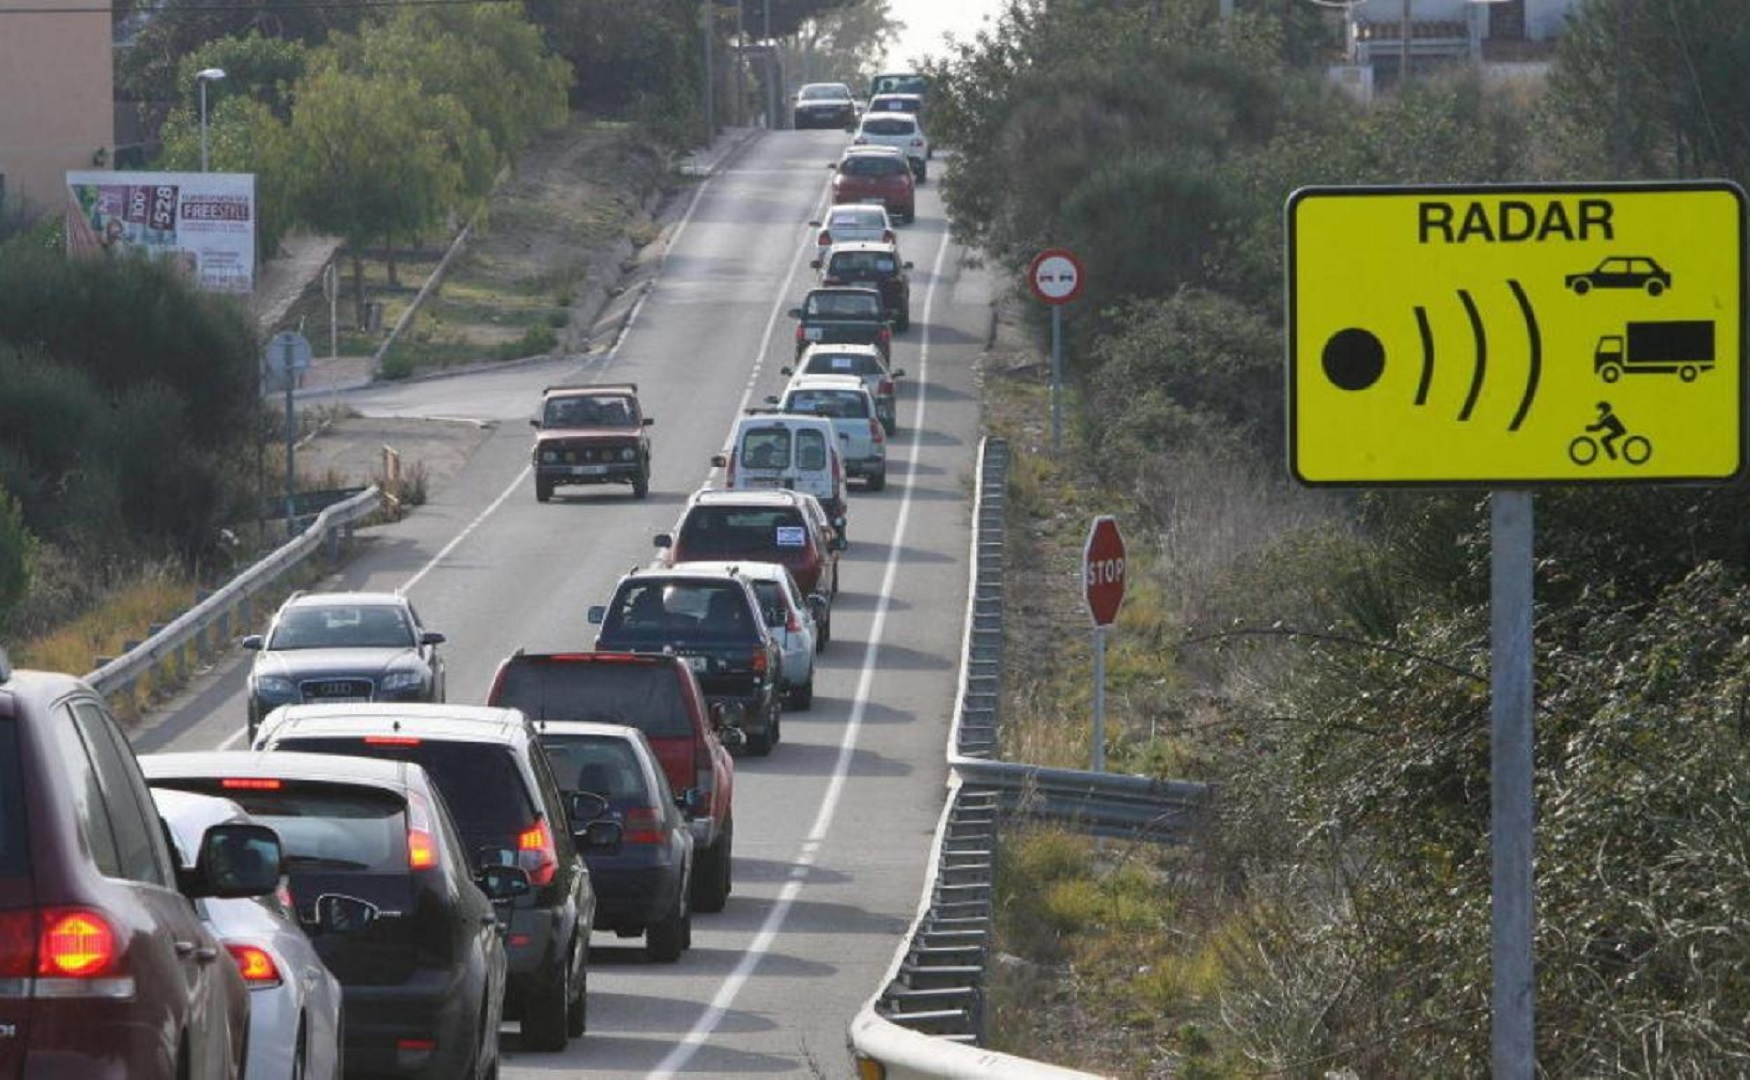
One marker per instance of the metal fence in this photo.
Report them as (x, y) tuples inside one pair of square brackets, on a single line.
[(928, 1019), (198, 635)]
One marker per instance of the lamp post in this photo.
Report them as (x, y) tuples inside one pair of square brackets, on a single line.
[(203, 77)]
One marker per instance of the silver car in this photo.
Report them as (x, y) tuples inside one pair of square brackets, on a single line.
[(796, 622), (294, 1000), (863, 361)]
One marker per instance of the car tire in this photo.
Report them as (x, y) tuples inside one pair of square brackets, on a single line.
[(904, 321), (1654, 288), (761, 745), (666, 939), (577, 1013), (877, 480), (802, 697), (711, 877), (546, 1013), (641, 484), (543, 489), (1582, 287), (890, 425)]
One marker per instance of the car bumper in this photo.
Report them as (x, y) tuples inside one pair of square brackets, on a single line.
[(868, 466), (630, 898), (431, 1005), (619, 472)]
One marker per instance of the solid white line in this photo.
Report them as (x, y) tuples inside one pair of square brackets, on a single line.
[(690, 1043)]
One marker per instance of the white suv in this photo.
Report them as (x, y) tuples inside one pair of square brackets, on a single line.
[(848, 404), (900, 131)]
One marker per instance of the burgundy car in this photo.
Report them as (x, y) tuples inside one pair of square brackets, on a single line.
[(107, 971), (591, 435), (876, 174)]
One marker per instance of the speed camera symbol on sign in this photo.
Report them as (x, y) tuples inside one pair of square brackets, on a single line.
[(1055, 276), (1103, 570)]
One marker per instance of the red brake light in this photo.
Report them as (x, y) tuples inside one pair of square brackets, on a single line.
[(75, 943), (877, 432), (259, 970), (887, 237), (391, 740), (792, 623), (421, 846), (643, 825), (759, 661), (884, 387), (800, 336), (825, 239), (250, 783), (536, 852)]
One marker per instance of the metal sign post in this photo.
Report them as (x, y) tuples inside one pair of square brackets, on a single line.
[(1055, 276), (1510, 783), (288, 357), (1103, 591)]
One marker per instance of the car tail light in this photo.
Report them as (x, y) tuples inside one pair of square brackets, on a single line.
[(249, 783), (759, 661), (824, 239), (421, 845), (801, 338), (643, 825), (888, 237), (391, 740), (61, 952), (256, 964), (884, 335), (877, 433), (792, 623), (884, 387), (536, 852)]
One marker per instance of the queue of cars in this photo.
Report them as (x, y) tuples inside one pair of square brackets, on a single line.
[(384, 877)]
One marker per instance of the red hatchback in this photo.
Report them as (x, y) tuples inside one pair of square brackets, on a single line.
[(876, 174), (764, 525), (106, 970)]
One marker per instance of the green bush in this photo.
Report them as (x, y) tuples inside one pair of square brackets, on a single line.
[(17, 549)]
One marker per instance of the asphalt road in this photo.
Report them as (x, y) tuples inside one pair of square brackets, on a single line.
[(833, 829)]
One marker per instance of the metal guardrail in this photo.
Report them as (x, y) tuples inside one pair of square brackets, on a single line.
[(195, 636), (929, 1016)]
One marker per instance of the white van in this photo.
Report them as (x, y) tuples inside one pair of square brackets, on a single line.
[(772, 450)]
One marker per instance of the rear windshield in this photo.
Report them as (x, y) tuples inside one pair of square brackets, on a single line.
[(850, 304), (480, 782), (889, 125), (690, 610), (901, 84), (602, 764), (895, 104), (860, 263), (328, 827), (826, 93), (711, 531), (639, 695), (766, 448), (873, 165), (854, 219), (842, 364), (841, 404), (14, 855)]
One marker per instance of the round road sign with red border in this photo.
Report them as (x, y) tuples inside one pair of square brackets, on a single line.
[(1055, 276), (1103, 570)]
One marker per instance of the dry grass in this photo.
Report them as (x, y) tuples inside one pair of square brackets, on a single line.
[(125, 618)]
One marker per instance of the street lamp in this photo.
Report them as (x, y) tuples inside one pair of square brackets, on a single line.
[(203, 77)]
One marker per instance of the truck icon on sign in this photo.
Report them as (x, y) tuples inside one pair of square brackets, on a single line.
[(1684, 347)]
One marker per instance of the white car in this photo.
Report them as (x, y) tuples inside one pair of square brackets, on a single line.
[(801, 453), (845, 401), (799, 624), (845, 222), (294, 1000), (905, 103), (863, 361), (900, 131)]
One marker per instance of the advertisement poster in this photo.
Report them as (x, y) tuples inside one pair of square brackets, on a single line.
[(205, 221)]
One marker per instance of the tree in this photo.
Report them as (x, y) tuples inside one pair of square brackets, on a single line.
[(17, 548)]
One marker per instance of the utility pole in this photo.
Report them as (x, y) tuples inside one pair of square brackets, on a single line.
[(1404, 48), (705, 21)]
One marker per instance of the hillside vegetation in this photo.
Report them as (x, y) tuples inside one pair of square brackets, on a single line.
[(1323, 657)]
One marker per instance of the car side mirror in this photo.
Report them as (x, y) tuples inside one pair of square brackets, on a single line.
[(535, 422), (337, 913), (649, 420), (692, 802), (786, 370), (897, 373), (771, 399), (583, 807), (602, 835), (596, 614), (253, 642), (906, 265), (236, 859), (795, 313), (663, 540), (814, 264), (502, 882), (431, 637), (720, 460)]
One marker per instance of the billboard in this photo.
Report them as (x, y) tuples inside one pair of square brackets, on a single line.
[(206, 221)]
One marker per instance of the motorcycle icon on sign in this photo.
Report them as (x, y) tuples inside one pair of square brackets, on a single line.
[(1635, 449)]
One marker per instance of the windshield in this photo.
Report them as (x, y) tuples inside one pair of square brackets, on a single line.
[(889, 125), (343, 626), (863, 264), (873, 165), (825, 93), (643, 696), (689, 610)]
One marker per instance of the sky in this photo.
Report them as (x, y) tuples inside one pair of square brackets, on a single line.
[(927, 20)]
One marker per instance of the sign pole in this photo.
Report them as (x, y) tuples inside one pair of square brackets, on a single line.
[(288, 345), (1099, 699), (1056, 378), (1510, 784)]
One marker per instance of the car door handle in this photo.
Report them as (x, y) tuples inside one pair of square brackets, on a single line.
[(206, 954)]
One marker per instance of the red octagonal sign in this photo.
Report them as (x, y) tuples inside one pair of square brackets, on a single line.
[(1103, 570)]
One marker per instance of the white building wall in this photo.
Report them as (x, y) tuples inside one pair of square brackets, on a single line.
[(57, 96)]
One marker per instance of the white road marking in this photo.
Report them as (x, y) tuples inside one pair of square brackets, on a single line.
[(690, 1043)]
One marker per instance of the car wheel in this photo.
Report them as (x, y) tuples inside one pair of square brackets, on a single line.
[(577, 1014), (1582, 287), (802, 697), (664, 940), (545, 1013), (923, 174), (760, 745), (300, 1056), (878, 478), (824, 633), (1654, 288), (641, 484), (711, 878), (543, 489)]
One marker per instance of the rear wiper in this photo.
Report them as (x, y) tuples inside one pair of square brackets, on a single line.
[(322, 862)]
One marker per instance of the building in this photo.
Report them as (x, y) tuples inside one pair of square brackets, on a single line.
[(1387, 40), (57, 98)]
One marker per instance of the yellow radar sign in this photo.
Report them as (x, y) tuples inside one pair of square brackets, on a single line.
[(1507, 335)]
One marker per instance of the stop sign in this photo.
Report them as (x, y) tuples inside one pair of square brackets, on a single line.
[(1103, 570)]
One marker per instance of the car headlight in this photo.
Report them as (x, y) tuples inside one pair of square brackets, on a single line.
[(549, 456), (403, 680), (629, 454), (274, 686)]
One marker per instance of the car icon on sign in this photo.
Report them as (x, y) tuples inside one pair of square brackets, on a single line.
[(1622, 272)]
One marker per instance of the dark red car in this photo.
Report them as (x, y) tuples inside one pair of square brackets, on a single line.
[(767, 525), (876, 174), (107, 971)]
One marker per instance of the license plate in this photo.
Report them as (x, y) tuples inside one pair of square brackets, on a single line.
[(699, 663), (813, 333), (588, 470), (764, 481)]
